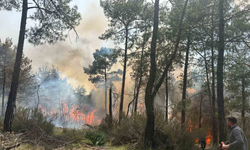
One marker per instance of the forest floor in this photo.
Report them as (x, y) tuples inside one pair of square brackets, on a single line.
[(61, 139), (82, 144), (71, 140), (78, 147)]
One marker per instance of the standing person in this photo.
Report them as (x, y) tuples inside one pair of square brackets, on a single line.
[(238, 140), (203, 143)]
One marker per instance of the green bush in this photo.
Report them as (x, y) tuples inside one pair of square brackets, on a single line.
[(32, 121), (95, 138), (66, 134), (130, 130), (167, 136)]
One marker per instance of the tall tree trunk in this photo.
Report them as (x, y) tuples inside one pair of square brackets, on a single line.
[(149, 98), (38, 97), (4, 81), (110, 107), (170, 61), (207, 76), (123, 77), (215, 131), (11, 105), (243, 105), (150, 93), (200, 118), (132, 102), (220, 89), (135, 90), (183, 111), (166, 96), (140, 78), (105, 78)]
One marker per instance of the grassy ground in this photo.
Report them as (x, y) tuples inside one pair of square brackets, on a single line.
[(73, 147), (77, 141)]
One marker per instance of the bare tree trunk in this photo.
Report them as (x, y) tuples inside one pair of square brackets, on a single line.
[(183, 112), (207, 76), (200, 117), (38, 97), (220, 86), (135, 94), (215, 131), (105, 78), (149, 98), (132, 102), (110, 107), (123, 77), (4, 81), (11, 105), (140, 78), (166, 96), (170, 61), (243, 105)]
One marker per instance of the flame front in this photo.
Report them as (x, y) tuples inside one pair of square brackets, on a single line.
[(209, 138), (72, 114)]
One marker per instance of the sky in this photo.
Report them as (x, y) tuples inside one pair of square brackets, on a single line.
[(69, 56)]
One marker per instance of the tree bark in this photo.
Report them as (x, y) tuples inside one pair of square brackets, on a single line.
[(38, 97), (170, 61), (140, 78), (166, 96), (132, 102), (149, 98), (184, 92), (11, 105), (243, 105), (220, 86), (123, 77), (135, 90), (105, 78), (215, 131), (110, 107), (200, 118), (4, 81), (207, 76)]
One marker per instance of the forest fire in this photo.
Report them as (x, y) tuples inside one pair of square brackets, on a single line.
[(209, 138), (71, 114)]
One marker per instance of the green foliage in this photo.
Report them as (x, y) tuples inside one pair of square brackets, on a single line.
[(99, 71), (54, 18), (167, 136), (51, 17), (9, 4), (32, 121), (96, 138), (66, 134), (7, 60)]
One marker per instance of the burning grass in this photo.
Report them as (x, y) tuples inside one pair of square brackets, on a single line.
[(71, 116), (37, 132)]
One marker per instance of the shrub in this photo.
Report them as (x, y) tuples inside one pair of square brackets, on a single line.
[(96, 138), (32, 121), (167, 136), (130, 130)]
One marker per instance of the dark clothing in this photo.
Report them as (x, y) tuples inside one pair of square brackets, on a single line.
[(238, 140), (203, 143)]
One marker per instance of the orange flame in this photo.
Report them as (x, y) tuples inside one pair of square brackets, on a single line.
[(72, 114), (209, 138)]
